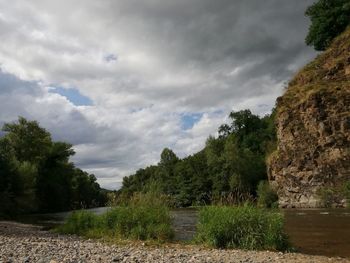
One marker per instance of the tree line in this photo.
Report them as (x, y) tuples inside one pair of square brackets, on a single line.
[(37, 176), (228, 169)]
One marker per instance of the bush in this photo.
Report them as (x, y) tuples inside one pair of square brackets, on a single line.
[(330, 196), (267, 197), (79, 223), (144, 217), (346, 192), (244, 227)]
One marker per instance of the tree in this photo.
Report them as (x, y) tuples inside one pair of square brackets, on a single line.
[(329, 18), (227, 170), (54, 182), (17, 181), (30, 142), (9, 178), (168, 160), (36, 174)]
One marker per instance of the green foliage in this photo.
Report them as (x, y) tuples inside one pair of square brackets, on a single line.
[(16, 181), (244, 227), (346, 192), (29, 141), (226, 171), (267, 197), (236, 160), (328, 196), (36, 175), (79, 222), (144, 217), (329, 18), (331, 195)]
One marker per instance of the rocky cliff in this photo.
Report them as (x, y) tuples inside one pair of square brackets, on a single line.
[(313, 129)]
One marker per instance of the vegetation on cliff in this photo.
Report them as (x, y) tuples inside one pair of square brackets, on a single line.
[(36, 174), (330, 71), (329, 18)]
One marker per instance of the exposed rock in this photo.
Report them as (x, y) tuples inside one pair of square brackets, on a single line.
[(313, 129)]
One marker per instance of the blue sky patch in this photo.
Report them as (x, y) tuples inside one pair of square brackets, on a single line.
[(73, 95), (189, 119), (111, 58)]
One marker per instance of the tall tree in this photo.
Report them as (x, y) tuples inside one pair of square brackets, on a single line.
[(36, 174), (168, 160), (30, 142), (54, 182)]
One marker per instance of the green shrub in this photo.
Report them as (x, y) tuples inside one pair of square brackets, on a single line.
[(334, 195), (346, 192), (245, 227), (267, 197), (329, 18), (328, 196), (79, 223), (144, 217)]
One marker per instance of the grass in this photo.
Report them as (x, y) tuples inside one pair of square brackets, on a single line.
[(267, 197), (244, 227), (325, 74), (145, 217)]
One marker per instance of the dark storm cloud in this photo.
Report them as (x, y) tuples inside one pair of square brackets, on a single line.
[(11, 84), (215, 37), (211, 31)]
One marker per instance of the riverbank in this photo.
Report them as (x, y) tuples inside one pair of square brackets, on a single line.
[(28, 243)]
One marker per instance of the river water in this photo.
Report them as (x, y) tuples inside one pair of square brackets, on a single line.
[(311, 231)]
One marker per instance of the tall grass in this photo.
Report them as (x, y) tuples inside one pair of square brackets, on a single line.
[(144, 217), (244, 227), (267, 197)]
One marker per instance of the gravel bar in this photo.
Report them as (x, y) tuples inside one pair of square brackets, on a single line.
[(28, 243)]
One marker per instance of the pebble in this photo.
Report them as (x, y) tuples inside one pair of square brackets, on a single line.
[(27, 243)]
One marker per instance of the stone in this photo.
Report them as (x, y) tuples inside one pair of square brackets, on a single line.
[(313, 130)]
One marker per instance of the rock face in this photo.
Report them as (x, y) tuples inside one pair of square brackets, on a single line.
[(313, 129)]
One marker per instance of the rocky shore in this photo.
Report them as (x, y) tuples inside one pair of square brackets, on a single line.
[(28, 243)]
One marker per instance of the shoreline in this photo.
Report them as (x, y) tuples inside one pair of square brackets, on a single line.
[(29, 243)]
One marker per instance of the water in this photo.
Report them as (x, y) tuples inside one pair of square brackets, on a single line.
[(311, 231), (319, 231), (53, 219), (184, 223)]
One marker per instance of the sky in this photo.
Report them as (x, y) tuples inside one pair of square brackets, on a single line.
[(122, 80)]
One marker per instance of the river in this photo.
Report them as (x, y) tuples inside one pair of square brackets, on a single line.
[(311, 231)]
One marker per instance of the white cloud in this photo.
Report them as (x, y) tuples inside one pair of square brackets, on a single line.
[(169, 58)]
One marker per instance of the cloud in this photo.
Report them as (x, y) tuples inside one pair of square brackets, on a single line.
[(132, 77)]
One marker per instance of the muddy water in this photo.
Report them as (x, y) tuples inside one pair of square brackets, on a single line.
[(184, 223), (311, 231), (319, 231)]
